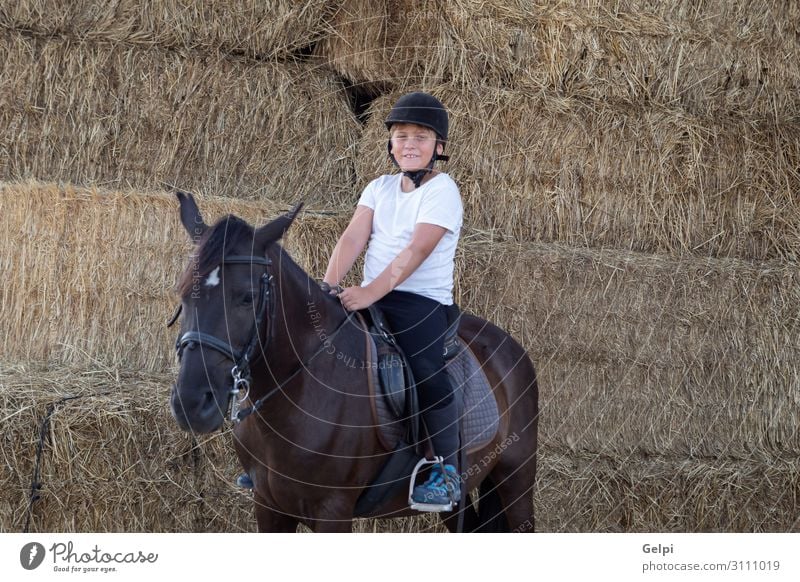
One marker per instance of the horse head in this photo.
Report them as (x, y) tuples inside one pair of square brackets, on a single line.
[(227, 300)]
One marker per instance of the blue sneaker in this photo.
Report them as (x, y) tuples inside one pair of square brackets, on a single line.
[(244, 481), (435, 491)]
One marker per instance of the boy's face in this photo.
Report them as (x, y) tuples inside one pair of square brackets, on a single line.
[(413, 146)]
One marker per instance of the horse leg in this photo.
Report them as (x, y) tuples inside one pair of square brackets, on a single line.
[(470, 520), (270, 520), (331, 514), (512, 480), (331, 525)]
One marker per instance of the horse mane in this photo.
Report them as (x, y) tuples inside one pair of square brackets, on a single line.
[(212, 246), (217, 242)]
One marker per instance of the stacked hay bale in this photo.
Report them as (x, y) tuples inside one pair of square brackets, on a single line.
[(582, 132), (715, 57), (250, 28), (629, 172), (131, 98), (95, 468), (96, 112), (599, 174)]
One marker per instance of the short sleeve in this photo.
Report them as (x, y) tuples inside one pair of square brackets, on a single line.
[(368, 196), (442, 206)]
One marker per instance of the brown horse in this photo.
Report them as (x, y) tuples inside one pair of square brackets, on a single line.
[(257, 329)]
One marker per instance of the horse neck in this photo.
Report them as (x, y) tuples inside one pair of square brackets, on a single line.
[(291, 372), (304, 318)]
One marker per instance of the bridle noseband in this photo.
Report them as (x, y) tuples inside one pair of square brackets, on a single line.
[(241, 359)]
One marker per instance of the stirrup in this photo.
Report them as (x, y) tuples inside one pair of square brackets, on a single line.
[(431, 507)]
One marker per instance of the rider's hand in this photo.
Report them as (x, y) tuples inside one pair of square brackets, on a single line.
[(355, 298)]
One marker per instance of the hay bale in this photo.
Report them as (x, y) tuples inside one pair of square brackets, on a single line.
[(99, 471), (254, 29), (112, 115), (718, 57), (546, 168), (19, 420), (649, 354), (588, 492), (94, 271)]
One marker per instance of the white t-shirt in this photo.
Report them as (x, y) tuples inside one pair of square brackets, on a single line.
[(396, 213)]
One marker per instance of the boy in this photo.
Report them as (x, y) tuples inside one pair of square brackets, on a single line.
[(410, 224)]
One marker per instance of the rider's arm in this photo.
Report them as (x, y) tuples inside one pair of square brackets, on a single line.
[(423, 241), (352, 242)]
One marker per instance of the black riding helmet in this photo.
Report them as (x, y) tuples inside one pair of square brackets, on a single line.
[(425, 110)]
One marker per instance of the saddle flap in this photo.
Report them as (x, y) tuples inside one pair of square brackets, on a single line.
[(479, 412), (391, 376), (394, 381), (394, 375)]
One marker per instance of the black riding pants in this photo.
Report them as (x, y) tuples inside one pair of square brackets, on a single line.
[(419, 324)]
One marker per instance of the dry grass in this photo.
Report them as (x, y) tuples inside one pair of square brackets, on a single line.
[(76, 248), (94, 271), (122, 117), (252, 28), (636, 352), (706, 57), (586, 492), (644, 353), (101, 472), (547, 168)]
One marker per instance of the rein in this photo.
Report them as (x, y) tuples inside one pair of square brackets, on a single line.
[(243, 359), (242, 414)]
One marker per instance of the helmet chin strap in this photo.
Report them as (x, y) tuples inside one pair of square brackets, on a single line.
[(417, 176)]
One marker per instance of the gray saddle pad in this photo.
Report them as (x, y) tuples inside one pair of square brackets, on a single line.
[(480, 419)]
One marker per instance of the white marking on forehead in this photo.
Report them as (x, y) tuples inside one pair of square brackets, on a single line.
[(213, 278)]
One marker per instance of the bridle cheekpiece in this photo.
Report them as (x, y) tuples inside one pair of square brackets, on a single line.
[(241, 359)]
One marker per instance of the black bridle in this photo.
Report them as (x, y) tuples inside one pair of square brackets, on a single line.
[(241, 359)]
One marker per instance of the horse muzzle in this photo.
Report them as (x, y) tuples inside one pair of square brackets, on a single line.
[(198, 412)]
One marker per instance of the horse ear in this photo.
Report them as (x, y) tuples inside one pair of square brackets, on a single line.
[(191, 218), (274, 230)]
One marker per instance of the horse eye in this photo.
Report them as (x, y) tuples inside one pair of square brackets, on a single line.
[(246, 299)]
